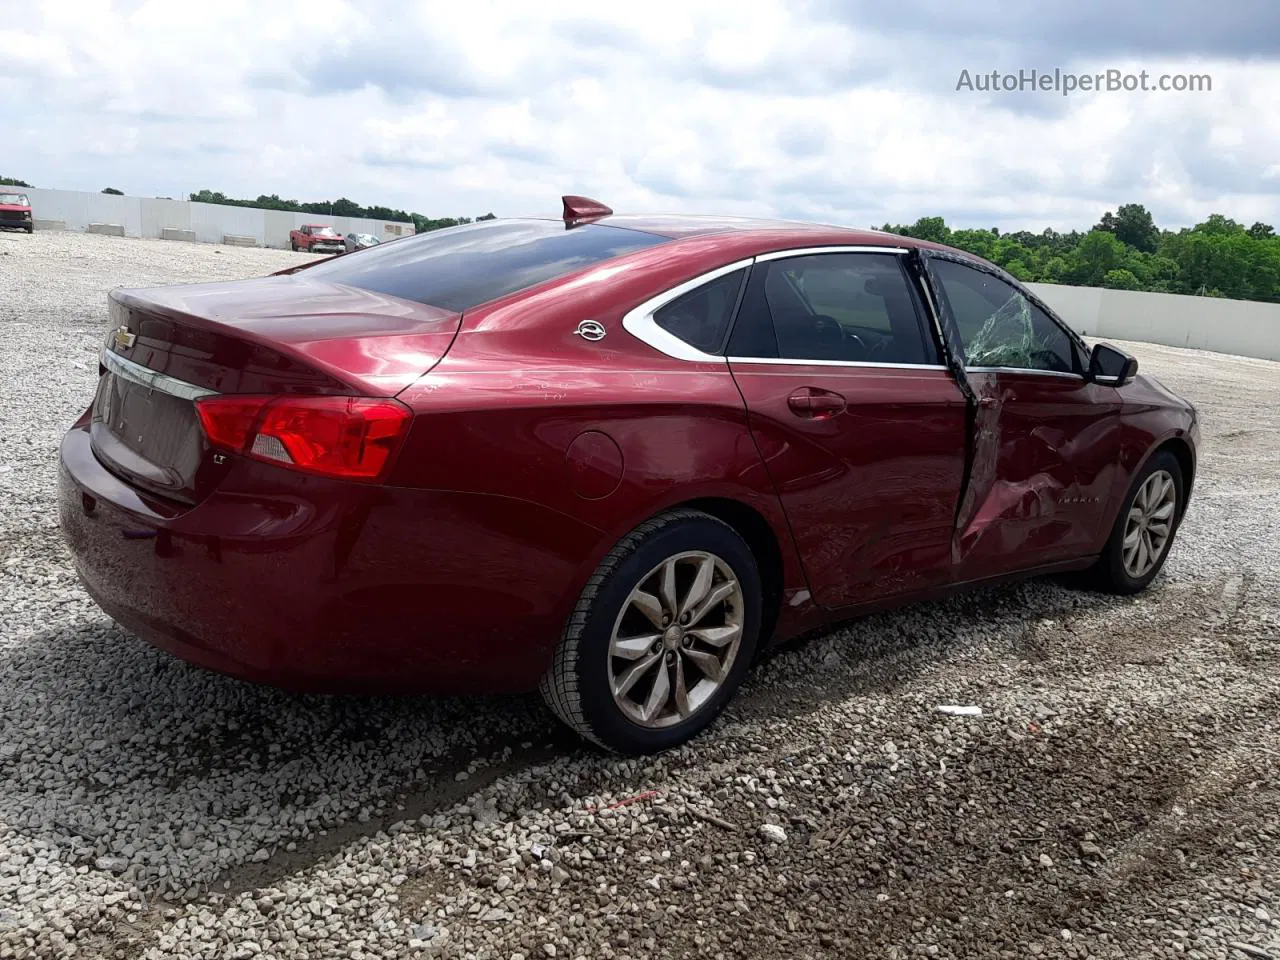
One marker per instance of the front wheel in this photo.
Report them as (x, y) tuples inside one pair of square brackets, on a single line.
[(1144, 530), (661, 637)]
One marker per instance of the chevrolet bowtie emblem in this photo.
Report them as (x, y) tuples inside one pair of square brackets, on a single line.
[(124, 339)]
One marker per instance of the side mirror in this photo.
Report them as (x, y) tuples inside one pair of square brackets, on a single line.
[(1111, 366)]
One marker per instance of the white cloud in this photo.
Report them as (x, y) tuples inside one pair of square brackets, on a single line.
[(452, 109)]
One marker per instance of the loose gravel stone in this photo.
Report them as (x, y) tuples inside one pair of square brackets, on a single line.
[(773, 833), (1131, 743)]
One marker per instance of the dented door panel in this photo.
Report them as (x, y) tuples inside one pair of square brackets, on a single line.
[(1045, 460), (1044, 445)]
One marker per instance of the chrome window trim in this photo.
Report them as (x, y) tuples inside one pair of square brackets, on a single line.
[(639, 320), (796, 362), (810, 251), (640, 324), (152, 379), (1108, 381), (792, 362), (1030, 370)]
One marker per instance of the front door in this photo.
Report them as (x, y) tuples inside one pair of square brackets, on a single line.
[(1046, 440), (859, 424)]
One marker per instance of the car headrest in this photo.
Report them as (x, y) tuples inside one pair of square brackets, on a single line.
[(884, 287)]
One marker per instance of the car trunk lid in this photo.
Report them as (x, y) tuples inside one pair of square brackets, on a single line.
[(276, 335)]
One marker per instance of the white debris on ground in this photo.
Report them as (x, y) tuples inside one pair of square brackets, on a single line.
[(1117, 798)]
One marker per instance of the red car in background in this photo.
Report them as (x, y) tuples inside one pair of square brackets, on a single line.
[(15, 210), (610, 457), (316, 238)]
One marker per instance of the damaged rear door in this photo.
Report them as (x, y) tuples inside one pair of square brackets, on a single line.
[(1043, 439)]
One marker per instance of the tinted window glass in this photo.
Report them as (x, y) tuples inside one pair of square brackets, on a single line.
[(459, 267), (701, 317), (854, 307), (999, 326), (752, 334)]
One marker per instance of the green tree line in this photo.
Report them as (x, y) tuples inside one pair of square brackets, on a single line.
[(1125, 250), (342, 207)]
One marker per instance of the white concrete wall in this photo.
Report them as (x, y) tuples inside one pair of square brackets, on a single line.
[(147, 216), (159, 214), (82, 209), (1245, 328)]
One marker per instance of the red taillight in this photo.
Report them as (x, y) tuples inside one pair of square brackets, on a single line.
[(349, 437)]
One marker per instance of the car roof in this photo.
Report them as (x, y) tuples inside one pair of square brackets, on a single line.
[(736, 237), (766, 234), (678, 226), (742, 233), (772, 232)]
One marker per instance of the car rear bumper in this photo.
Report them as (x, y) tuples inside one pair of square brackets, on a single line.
[(319, 585)]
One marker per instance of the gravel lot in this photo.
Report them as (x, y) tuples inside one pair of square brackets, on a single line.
[(1117, 797)]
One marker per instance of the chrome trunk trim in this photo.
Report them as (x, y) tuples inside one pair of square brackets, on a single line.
[(152, 379)]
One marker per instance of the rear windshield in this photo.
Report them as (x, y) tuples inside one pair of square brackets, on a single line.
[(460, 267), (19, 199)]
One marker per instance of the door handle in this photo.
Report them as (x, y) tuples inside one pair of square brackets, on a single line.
[(812, 403)]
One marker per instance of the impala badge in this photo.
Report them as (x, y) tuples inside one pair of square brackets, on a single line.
[(591, 330), (124, 339)]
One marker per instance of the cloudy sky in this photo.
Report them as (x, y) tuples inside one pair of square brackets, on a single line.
[(839, 111)]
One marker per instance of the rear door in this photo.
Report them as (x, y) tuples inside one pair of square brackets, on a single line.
[(1046, 440), (859, 424)]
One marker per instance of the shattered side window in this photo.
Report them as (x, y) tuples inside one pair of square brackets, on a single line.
[(999, 326)]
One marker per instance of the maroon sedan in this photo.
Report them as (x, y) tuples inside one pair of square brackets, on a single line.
[(612, 457)]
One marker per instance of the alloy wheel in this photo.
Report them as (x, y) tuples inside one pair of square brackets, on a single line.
[(675, 640), (1149, 524)]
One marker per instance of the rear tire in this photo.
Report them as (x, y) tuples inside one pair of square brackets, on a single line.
[(31, 228), (1144, 530), (661, 637)]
